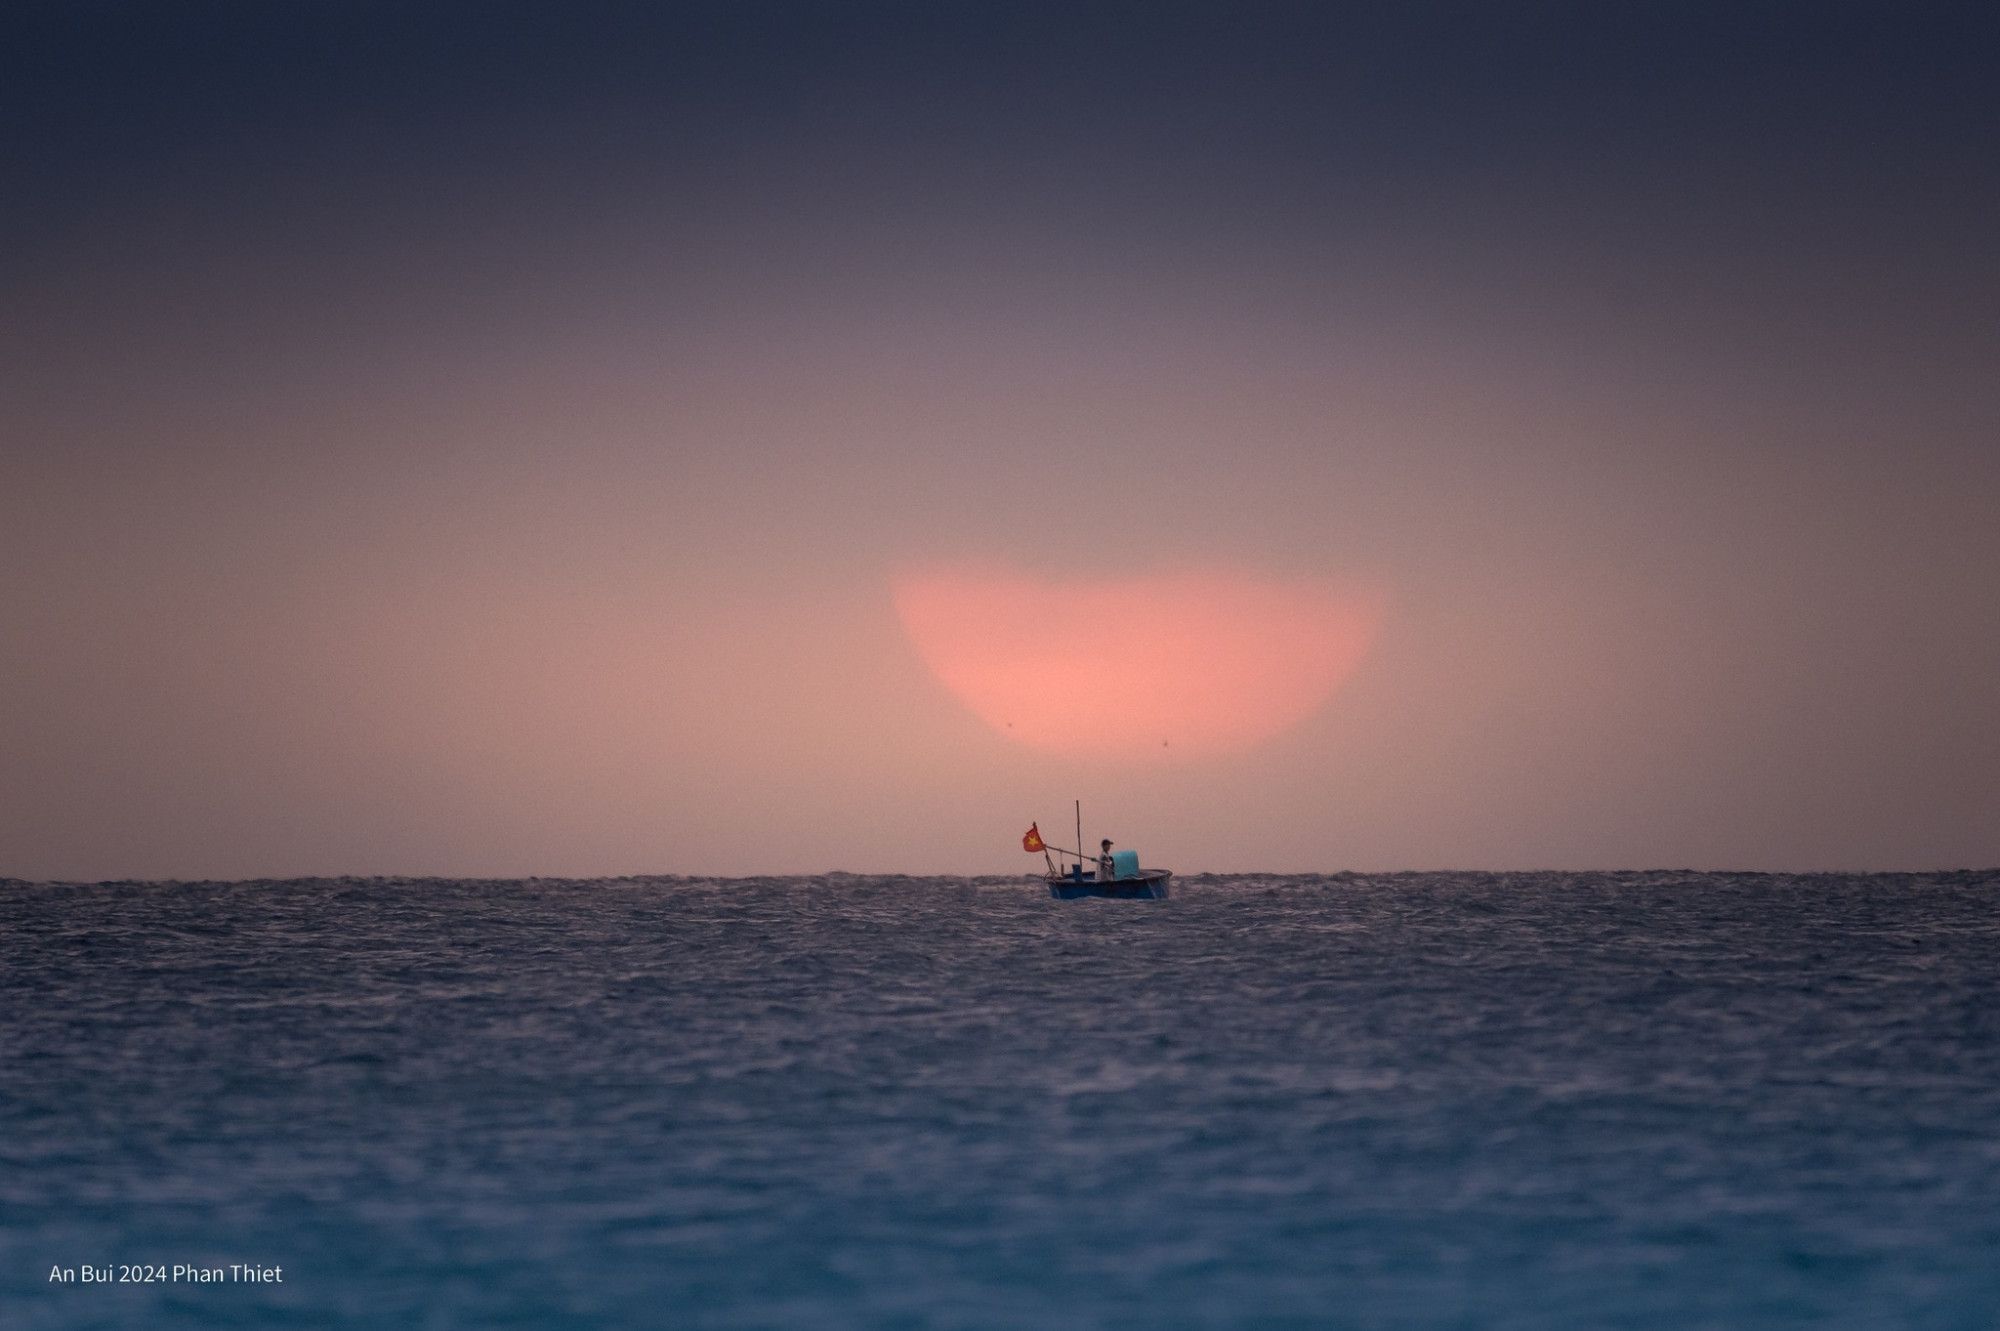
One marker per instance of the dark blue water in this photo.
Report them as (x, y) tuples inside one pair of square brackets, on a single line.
[(1440, 1100)]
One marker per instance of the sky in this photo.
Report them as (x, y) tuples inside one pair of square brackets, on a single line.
[(651, 438)]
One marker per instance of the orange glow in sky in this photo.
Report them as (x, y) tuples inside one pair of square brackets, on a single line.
[(1162, 667)]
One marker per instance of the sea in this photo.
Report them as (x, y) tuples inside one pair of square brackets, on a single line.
[(1434, 1100)]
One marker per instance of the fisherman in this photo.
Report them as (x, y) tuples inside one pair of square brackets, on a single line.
[(1105, 870)]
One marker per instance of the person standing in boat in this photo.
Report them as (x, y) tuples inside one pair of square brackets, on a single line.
[(1105, 870)]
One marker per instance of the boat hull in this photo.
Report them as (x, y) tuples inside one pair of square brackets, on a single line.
[(1150, 885)]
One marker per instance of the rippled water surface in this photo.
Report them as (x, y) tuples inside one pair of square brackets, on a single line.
[(1439, 1100)]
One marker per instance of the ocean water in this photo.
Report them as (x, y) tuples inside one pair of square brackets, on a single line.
[(1648, 1100)]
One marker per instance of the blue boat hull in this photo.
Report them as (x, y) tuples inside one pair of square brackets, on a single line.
[(1150, 885)]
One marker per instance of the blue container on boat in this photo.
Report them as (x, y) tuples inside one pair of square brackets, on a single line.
[(1124, 864)]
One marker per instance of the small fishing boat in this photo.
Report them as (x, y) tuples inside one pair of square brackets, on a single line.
[(1146, 885), (1113, 874)]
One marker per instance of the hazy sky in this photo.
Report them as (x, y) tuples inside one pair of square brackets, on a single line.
[(489, 440)]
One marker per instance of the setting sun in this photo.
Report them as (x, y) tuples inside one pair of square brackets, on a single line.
[(1168, 666)]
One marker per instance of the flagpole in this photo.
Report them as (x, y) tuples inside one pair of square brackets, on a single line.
[(1042, 844), (1079, 841)]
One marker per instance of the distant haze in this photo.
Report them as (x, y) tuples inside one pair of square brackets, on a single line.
[(442, 443), (1168, 668)]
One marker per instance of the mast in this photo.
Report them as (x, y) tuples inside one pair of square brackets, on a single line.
[(1079, 839)]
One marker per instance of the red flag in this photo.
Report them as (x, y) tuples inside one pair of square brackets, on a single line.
[(1033, 841)]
